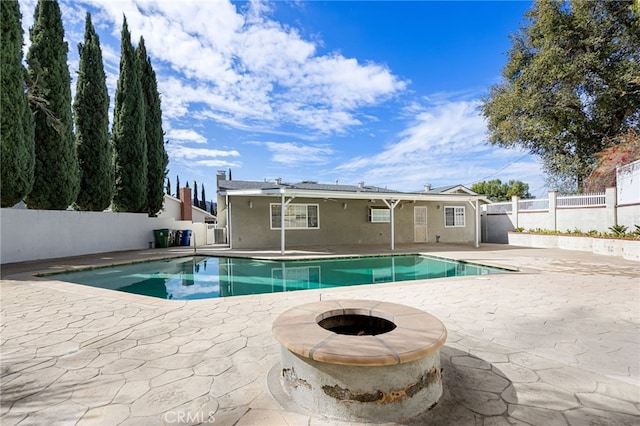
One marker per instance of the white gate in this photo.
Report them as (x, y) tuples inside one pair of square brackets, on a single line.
[(420, 224)]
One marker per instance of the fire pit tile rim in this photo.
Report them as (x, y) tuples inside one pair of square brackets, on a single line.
[(332, 351), (409, 333)]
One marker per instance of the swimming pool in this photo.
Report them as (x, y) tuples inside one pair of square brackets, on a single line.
[(204, 277)]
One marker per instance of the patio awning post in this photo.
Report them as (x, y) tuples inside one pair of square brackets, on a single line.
[(282, 233), (283, 206), (476, 230), (228, 213), (392, 206), (478, 225)]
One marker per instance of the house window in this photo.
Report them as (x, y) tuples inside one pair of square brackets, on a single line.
[(379, 215), (296, 216), (454, 217)]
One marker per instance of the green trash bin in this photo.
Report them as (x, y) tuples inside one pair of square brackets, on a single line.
[(162, 237)]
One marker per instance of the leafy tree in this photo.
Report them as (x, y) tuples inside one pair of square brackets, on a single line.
[(56, 173), (129, 138), (195, 194), (516, 187), (497, 191), (563, 183), (491, 189), (168, 187), (203, 199), (17, 132), (572, 80), (157, 158), (91, 107)]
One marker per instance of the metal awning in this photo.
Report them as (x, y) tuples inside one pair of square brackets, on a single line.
[(361, 195)]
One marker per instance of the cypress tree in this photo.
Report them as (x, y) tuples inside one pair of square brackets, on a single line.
[(16, 134), (195, 194), (129, 138), (28, 125), (168, 187), (56, 173), (91, 107), (177, 187), (157, 158), (203, 200)]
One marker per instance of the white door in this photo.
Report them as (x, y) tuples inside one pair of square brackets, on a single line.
[(420, 224)]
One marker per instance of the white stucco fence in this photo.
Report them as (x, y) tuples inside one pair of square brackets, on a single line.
[(44, 234), (628, 183), (596, 212)]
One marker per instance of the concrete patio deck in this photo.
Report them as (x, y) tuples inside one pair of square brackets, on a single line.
[(557, 343)]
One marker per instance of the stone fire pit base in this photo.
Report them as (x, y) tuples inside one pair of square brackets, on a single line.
[(384, 377)]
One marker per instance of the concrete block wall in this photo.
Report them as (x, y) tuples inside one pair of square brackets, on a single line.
[(495, 226), (45, 234)]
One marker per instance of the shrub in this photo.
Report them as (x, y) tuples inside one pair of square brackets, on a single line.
[(618, 230)]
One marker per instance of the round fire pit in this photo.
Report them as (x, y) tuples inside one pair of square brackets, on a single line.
[(361, 359)]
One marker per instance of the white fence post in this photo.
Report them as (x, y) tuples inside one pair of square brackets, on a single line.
[(610, 203), (553, 207), (514, 210)]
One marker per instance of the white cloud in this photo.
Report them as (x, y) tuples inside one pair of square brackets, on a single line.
[(289, 153), (27, 9), (184, 135), (444, 144), (195, 158), (247, 68), (216, 163), (186, 153), (435, 132)]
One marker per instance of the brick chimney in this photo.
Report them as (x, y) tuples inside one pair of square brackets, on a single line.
[(185, 204)]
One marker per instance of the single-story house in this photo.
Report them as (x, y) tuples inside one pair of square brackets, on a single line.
[(322, 215)]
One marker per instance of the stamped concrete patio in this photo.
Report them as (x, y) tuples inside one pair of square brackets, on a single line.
[(557, 343)]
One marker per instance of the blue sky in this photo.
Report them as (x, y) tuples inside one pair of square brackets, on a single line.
[(380, 92)]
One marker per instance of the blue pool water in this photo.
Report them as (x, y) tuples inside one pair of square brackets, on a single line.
[(201, 277)]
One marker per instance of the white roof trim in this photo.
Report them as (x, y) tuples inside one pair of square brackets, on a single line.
[(364, 195), (458, 188)]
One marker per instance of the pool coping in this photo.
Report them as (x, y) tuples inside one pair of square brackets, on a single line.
[(48, 273), (47, 268)]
